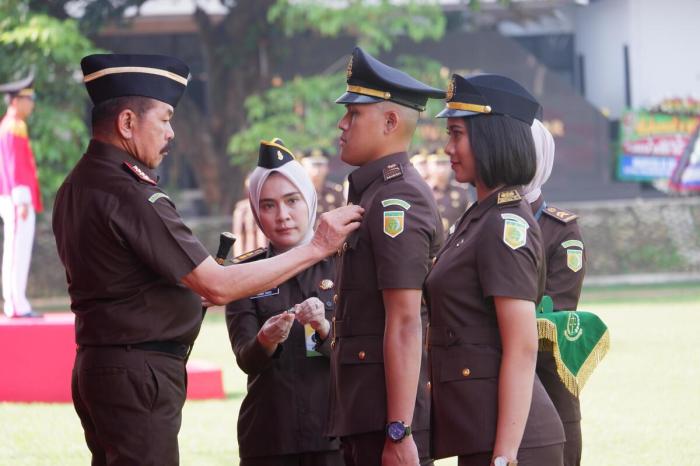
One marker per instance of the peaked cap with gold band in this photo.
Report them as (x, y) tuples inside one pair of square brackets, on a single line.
[(489, 94), (370, 81), (20, 88), (273, 154), (107, 76)]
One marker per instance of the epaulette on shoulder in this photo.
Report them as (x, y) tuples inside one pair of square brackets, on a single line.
[(251, 256), (509, 197), (564, 216), (391, 171)]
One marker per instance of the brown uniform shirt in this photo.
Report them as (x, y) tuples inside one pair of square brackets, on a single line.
[(496, 250), (451, 202), (566, 267), (286, 407), (393, 248), (125, 250), (330, 197)]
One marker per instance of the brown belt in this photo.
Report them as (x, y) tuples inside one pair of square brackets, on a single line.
[(451, 336)]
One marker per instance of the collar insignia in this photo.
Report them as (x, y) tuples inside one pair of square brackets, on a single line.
[(392, 171), (505, 197), (140, 174)]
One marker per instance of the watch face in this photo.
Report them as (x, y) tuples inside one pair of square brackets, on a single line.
[(500, 461), (396, 430)]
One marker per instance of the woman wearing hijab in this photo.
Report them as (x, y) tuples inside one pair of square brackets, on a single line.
[(275, 334), (566, 267), (488, 406)]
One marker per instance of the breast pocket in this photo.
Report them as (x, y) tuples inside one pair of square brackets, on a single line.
[(269, 304)]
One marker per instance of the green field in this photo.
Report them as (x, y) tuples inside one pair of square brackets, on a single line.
[(642, 405)]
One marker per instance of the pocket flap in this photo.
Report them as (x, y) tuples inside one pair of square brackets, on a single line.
[(466, 366), (368, 349)]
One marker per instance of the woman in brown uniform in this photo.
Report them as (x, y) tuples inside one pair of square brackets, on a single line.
[(566, 267), (282, 417), (488, 407)]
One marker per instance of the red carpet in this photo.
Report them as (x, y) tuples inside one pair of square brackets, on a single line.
[(36, 359)]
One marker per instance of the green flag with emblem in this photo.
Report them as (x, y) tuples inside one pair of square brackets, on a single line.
[(579, 340)]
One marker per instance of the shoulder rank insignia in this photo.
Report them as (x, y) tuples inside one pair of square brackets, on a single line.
[(514, 230), (506, 197), (562, 215), (574, 257), (392, 171), (140, 174), (250, 256)]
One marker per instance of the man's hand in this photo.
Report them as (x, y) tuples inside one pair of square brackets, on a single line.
[(334, 226), (313, 312), (275, 330), (403, 453)]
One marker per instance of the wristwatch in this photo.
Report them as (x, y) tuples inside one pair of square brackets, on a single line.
[(397, 431), (503, 461)]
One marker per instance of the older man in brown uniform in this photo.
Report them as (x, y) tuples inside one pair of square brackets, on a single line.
[(130, 260), (378, 406)]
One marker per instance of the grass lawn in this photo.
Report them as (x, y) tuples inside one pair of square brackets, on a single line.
[(642, 405)]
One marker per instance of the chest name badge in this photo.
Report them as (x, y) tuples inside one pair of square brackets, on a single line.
[(266, 294), (514, 230), (393, 223)]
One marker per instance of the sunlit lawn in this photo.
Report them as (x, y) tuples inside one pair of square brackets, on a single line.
[(642, 406)]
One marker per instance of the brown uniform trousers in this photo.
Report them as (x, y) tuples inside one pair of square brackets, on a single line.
[(564, 283)]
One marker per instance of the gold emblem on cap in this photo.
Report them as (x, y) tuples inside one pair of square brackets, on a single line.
[(348, 71), (451, 89), (280, 156), (326, 284)]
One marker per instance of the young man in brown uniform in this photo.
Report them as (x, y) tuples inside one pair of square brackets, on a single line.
[(130, 260), (378, 407), (566, 267)]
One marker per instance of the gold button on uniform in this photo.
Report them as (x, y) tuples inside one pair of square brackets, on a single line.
[(428, 385), (361, 355), (335, 301), (345, 246), (466, 372)]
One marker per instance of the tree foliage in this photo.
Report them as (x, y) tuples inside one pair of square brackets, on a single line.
[(52, 49)]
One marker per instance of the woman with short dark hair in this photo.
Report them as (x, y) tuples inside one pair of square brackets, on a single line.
[(488, 406)]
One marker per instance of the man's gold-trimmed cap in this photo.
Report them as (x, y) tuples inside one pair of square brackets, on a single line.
[(160, 77)]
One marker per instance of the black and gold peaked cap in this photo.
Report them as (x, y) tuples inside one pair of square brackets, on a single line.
[(273, 154), (107, 76), (489, 94), (22, 88), (370, 81)]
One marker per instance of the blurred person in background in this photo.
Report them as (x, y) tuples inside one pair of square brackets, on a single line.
[(419, 160), (451, 198), (287, 375), (248, 234), (20, 199), (330, 195)]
